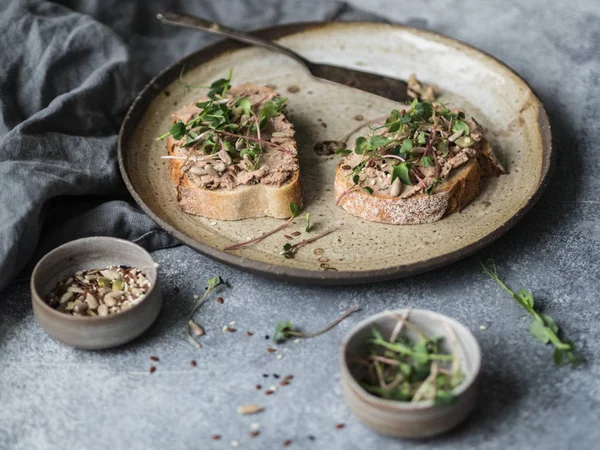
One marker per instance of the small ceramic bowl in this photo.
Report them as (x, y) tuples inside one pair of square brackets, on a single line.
[(94, 332), (405, 419)]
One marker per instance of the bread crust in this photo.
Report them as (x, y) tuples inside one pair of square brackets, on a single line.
[(452, 195), (243, 202)]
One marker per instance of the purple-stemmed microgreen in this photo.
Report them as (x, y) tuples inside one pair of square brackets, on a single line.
[(228, 126), (410, 141), (285, 330), (294, 210), (289, 250), (191, 327)]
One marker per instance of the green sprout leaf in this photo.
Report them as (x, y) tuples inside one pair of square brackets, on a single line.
[(359, 145), (538, 331), (343, 151), (177, 130), (461, 125), (368, 190), (407, 145), (308, 224), (401, 171), (282, 330), (270, 110), (422, 110), (442, 147), (379, 140), (426, 161), (543, 328), (220, 87), (295, 210), (245, 104), (421, 140)]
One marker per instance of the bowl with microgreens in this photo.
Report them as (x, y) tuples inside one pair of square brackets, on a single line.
[(410, 373), (96, 292)]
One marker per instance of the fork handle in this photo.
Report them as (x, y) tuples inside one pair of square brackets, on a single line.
[(183, 20)]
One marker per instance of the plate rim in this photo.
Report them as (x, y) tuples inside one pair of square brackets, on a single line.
[(308, 276)]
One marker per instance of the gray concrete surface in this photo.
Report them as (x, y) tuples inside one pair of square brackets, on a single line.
[(52, 396)]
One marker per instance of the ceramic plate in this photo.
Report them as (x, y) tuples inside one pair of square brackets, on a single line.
[(359, 251)]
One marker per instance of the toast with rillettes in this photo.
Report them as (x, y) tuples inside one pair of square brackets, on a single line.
[(235, 156)]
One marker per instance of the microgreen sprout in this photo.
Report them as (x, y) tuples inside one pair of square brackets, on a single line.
[(192, 328), (294, 211), (410, 369), (308, 224), (543, 327), (285, 330), (227, 125), (289, 250), (411, 145)]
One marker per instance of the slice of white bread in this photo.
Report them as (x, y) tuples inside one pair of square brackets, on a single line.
[(268, 194), (453, 194)]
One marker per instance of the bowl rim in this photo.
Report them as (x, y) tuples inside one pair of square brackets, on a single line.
[(39, 300), (347, 376)]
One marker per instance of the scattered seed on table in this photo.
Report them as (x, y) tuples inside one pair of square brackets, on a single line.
[(267, 337), (276, 376), (249, 409), (287, 237), (311, 437), (249, 333), (255, 426), (287, 442), (220, 300), (269, 392), (265, 375), (253, 434), (280, 356), (193, 363), (482, 327), (271, 350), (154, 358), (273, 388), (216, 437), (175, 290), (231, 330), (284, 383), (152, 369), (339, 426), (258, 387), (235, 444), (296, 233), (288, 377)]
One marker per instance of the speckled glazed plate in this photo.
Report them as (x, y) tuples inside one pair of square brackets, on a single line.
[(359, 251)]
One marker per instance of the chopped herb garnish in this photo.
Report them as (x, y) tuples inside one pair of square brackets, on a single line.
[(543, 327)]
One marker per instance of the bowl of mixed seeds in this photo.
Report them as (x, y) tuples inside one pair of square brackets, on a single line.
[(96, 292), (410, 373)]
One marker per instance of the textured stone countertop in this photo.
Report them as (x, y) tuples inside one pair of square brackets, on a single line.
[(52, 396)]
